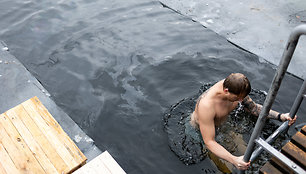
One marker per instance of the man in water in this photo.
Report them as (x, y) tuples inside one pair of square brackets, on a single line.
[(215, 104)]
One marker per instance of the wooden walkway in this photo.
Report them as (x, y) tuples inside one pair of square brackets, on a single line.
[(294, 150), (103, 164), (31, 141)]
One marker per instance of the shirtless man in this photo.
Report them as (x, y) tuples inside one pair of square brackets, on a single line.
[(213, 107)]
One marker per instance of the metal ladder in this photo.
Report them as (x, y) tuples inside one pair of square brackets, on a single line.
[(278, 77)]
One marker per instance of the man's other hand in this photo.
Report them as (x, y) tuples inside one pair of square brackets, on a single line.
[(286, 117)]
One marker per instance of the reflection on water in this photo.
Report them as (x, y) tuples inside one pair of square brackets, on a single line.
[(115, 67)]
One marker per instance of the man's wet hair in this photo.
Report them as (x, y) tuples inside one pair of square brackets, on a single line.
[(237, 84)]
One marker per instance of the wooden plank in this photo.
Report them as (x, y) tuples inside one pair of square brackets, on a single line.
[(51, 134), (35, 148), (17, 149), (295, 154), (268, 168), (299, 140), (111, 164), (6, 164), (42, 140), (64, 138)]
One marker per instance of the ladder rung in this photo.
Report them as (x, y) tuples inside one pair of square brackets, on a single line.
[(280, 156)]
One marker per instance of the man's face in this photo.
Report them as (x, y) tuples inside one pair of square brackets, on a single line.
[(233, 97)]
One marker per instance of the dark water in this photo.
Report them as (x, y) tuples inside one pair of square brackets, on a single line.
[(115, 67)]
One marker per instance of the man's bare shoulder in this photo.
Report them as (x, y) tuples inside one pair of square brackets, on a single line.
[(206, 109)]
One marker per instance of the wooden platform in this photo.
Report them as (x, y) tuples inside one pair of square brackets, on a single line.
[(31, 141), (103, 164), (295, 150)]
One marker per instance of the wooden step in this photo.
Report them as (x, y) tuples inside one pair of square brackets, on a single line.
[(299, 140), (294, 150), (296, 154)]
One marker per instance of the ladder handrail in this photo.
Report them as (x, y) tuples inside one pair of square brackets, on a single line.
[(278, 77), (284, 127)]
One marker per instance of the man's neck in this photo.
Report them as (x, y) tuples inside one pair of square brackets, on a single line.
[(221, 96)]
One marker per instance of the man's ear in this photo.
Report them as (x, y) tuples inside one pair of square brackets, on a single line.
[(225, 90)]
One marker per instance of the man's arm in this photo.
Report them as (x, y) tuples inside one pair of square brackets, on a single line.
[(207, 128), (255, 109)]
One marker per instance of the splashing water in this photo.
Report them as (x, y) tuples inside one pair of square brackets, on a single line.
[(239, 109)]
